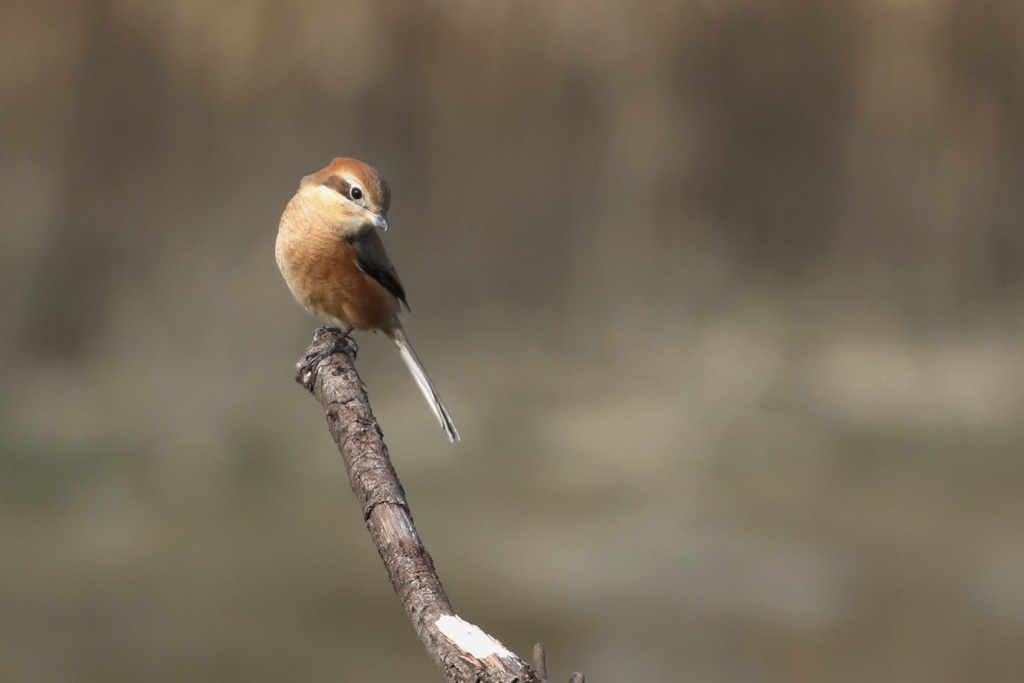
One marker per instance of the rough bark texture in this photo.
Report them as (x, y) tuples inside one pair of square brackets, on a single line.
[(464, 653)]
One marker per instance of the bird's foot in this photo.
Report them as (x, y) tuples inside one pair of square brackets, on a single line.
[(308, 365)]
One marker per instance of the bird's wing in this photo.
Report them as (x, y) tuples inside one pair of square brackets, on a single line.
[(373, 260)]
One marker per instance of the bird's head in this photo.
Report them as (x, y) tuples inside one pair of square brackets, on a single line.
[(350, 191)]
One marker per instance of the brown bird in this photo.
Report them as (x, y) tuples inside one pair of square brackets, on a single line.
[(335, 264)]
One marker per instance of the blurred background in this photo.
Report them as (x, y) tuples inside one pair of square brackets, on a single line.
[(725, 298)]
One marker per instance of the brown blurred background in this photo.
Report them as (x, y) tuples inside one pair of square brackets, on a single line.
[(725, 297)]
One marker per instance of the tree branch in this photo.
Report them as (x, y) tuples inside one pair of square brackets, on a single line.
[(461, 650)]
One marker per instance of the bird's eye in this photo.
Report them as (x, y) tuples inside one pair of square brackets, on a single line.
[(356, 193)]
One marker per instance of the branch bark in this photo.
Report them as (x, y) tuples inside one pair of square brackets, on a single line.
[(463, 652)]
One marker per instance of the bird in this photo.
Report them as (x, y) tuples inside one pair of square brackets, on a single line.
[(333, 259)]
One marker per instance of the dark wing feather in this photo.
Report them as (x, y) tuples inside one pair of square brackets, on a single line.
[(373, 260)]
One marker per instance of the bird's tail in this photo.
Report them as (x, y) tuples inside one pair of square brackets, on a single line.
[(424, 383)]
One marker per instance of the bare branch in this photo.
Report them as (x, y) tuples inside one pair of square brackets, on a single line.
[(461, 650), (540, 660)]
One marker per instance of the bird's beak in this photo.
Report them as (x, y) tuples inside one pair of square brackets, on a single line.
[(378, 219)]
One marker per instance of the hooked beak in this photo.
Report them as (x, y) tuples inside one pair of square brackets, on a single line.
[(378, 219)]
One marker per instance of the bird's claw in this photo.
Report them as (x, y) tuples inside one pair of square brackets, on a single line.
[(308, 366)]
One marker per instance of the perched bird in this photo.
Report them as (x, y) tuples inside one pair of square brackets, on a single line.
[(335, 264)]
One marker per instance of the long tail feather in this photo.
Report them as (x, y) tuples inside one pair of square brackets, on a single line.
[(425, 385)]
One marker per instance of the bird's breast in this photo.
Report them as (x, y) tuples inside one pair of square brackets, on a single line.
[(319, 264)]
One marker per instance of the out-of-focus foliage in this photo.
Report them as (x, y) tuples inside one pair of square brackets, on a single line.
[(724, 296)]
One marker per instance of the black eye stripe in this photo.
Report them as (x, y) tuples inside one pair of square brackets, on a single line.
[(345, 188), (338, 184)]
